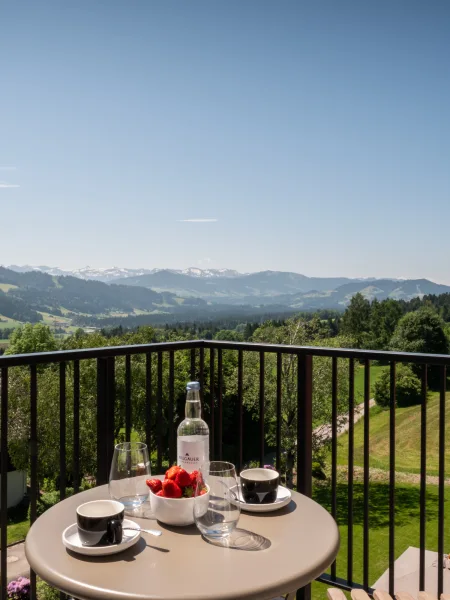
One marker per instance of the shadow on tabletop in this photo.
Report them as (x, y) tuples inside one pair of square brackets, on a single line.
[(241, 539), (126, 556), (270, 515)]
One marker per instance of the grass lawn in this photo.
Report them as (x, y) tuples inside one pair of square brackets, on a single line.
[(18, 524), (7, 323), (407, 439), (407, 511), (5, 287), (50, 319), (375, 372)]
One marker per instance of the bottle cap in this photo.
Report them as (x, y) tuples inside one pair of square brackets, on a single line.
[(193, 385)]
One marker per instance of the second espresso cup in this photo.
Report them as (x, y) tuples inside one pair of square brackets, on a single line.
[(100, 522), (259, 486)]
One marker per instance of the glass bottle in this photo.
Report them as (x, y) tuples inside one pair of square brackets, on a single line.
[(193, 432)]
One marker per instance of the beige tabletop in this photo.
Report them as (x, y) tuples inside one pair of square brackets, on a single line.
[(271, 554)]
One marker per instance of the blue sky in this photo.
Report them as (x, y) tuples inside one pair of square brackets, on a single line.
[(314, 135)]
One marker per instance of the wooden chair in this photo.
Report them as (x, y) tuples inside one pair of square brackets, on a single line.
[(358, 594)]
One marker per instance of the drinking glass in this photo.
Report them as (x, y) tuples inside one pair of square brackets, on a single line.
[(129, 469), (216, 505)]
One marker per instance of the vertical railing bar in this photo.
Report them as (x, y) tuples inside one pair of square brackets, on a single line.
[(220, 390), (62, 439), (261, 409), (62, 431), (148, 403), (351, 442), (128, 398), (211, 404), (102, 469), (110, 410), (159, 419), (304, 437), (171, 407), (33, 461), (334, 417), (202, 380), (193, 375), (76, 426), (366, 474), (304, 424), (4, 482), (241, 408), (392, 403), (423, 476), (440, 570), (278, 438)]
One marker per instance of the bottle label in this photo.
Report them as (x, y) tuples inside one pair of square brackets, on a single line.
[(192, 454)]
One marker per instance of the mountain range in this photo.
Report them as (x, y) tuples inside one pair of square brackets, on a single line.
[(152, 295), (111, 274)]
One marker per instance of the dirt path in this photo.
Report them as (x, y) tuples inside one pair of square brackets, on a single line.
[(324, 432), (16, 562), (381, 476)]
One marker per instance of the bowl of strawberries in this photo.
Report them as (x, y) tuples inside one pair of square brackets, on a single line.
[(172, 498)]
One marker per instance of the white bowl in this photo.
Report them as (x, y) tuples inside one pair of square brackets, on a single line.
[(177, 511)]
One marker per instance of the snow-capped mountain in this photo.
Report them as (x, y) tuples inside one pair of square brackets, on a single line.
[(110, 274), (195, 272)]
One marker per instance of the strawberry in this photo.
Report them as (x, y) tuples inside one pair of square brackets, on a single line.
[(154, 484), (194, 476), (172, 472), (171, 489), (182, 478), (160, 493), (203, 492), (188, 492)]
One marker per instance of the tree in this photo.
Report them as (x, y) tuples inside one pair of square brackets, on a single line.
[(421, 331), (356, 320), (294, 332), (31, 338), (383, 321), (408, 389)]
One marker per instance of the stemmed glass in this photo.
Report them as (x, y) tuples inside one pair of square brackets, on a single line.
[(130, 468), (217, 508)]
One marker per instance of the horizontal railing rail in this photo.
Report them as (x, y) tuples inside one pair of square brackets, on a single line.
[(158, 402), (17, 360)]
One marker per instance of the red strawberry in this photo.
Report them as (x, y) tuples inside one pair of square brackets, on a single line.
[(203, 492), (194, 476), (171, 489), (172, 472), (154, 484), (182, 478), (160, 493)]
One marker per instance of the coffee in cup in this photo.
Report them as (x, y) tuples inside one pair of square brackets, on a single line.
[(259, 486), (100, 522)]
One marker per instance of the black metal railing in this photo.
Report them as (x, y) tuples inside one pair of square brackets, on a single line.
[(162, 444)]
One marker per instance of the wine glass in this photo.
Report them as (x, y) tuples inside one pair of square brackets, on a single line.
[(216, 507), (130, 468)]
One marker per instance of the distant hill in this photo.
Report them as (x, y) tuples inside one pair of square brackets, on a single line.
[(167, 296), (25, 296), (381, 289), (241, 288)]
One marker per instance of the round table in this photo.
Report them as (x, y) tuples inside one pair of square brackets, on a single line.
[(270, 554)]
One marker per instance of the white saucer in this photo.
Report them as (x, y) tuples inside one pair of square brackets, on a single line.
[(283, 498), (71, 541)]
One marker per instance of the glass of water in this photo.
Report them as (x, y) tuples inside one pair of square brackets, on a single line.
[(216, 507), (130, 468)]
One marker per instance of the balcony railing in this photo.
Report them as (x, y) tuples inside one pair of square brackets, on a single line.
[(158, 365)]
